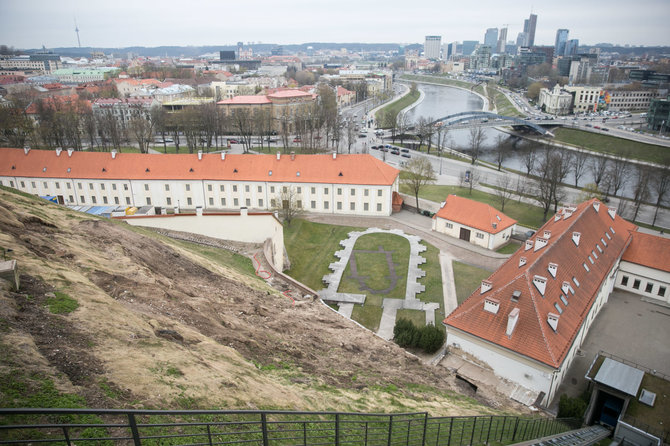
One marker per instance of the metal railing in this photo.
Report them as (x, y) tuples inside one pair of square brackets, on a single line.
[(209, 427)]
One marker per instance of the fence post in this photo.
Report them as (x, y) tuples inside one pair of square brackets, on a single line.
[(515, 427), (209, 435), (488, 434), (451, 425), (425, 428), (264, 428), (337, 429), (304, 433), (474, 425), (133, 429), (67, 436), (390, 429)]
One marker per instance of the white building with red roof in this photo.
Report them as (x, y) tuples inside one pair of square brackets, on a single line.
[(473, 221), (529, 318), (645, 268), (333, 184)]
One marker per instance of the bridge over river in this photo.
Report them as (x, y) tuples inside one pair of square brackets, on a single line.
[(470, 119)]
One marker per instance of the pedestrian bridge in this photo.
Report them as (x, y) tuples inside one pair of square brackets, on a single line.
[(487, 119)]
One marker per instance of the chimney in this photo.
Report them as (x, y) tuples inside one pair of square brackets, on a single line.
[(540, 283), (486, 285), (540, 243), (443, 204), (547, 233), (575, 237), (278, 155), (512, 320), (26, 150), (612, 212), (113, 154), (522, 261), (199, 155), (334, 155), (552, 319), (553, 268), (58, 151), (223, 156), (244, 211), (491, 305), (198, 211), (596, 205), (516, 295), (292, 156), (567, 215), (529, 244), (69, 152)]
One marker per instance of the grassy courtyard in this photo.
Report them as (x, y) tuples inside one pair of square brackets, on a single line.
[(466, 279)]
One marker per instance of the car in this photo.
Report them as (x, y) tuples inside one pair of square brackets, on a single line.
[(596, 127), (406, 155), (404, 150), (233, 141), (384, 149), (374, 147), (588, 125), (604, 129), (395, 152), (529, 234), (296, 139), (388, 146)]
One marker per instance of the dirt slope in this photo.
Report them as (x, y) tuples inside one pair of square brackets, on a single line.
[(159, 325)]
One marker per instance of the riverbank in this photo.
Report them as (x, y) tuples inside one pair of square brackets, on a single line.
[(397, 106)]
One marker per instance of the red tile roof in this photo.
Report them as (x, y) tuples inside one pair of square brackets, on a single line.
[(58, 103), (533, 337), (345, 169), (474, 214), (246, 100), (290, 94), (649, 250)]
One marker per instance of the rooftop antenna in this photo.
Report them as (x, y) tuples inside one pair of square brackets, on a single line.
[(76, 29)]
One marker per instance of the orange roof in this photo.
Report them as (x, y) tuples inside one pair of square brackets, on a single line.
[(58, 102), (289, 94), (474, 214), (246, 100), (649, 250), (344, 169), (553, 245)]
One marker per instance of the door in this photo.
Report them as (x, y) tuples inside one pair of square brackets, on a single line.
[(465, 234)]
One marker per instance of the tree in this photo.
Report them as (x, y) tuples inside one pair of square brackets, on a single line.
[(160, 120), (660, 184), (598, 167), (477, 138), (15, 126), (552, 171), (579, 159), (641, 188), (350, 133), (529, 156), (616, 175), (590, 191), (418, 173), (288, 203), (501, 148), (141, 129), (534, 90), (504, 190)]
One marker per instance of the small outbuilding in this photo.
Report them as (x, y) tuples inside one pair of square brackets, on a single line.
[(472, 221)]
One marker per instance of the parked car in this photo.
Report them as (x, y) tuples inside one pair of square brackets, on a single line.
[(395, 152), (404, 150), (406, 155), (296, 139), (233, 141)]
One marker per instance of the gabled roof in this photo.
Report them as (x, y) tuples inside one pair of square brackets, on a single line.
[(246, 100), (649, 250), (562, 245), (344, 169), (290, 93), (474, 214)]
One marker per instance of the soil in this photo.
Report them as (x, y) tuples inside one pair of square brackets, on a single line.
[(148, 306)]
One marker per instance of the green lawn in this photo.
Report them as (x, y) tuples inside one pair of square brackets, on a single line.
[(432, 281), (417, 317), (613, 145), (503, 104), (311, 248), (509, 248), (526, 214), (396, 106), (466, 279)]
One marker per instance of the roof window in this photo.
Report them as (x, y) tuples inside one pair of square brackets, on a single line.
[(147, 169), (574, 279), (269, 172), (558, 308), (564, 300), (586, 267)]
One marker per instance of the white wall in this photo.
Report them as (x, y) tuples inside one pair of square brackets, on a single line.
[(489, 241), (647, 276)]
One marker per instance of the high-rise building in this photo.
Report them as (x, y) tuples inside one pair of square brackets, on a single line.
[(431, 49), (529, 26), (502, 38), (521, 39), (452, 50), (469, 47), (491, 38), (561, 41), (571, 47)]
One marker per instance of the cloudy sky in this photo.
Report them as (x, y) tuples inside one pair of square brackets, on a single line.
[(120, 23)]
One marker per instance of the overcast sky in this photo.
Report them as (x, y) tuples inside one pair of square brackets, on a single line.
[(120, 23)]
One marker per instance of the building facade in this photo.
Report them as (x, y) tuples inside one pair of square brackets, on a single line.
[(585, 98), (555, 101), (561, 42), (491, 38), (632, 100), (331, 184), (658, 116), (644, 268), (431, 48)]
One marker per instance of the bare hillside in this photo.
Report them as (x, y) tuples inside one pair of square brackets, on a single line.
[(160, 324)]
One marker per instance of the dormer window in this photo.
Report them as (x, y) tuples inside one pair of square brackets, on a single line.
[(516, 295), (147, 169), (269, 173), (44, 170), (540, 283), (491, 305)]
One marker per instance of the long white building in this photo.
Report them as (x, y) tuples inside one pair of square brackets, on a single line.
[(337, 184)]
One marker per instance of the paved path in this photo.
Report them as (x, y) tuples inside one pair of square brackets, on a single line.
[(448, 286)]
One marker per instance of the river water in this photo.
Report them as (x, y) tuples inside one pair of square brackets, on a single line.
[(442, 101)]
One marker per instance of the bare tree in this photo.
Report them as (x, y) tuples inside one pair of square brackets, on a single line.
[(521, 187), (390, 121), (15, 126), (288, 203), (243, 124), (350, 133), (403, 126), (141, 129), (160, 119), (418, 173), (617, 174), (598, 168), (469, 178), (579, 165), (477, 139), (504, 190), (552, 171), (529, 156), (641, 187), (90, 127), (660, 184), (500, 148)]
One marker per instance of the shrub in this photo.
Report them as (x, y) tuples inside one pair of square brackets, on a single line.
[(428, 338), (569, 407), (432, 338)]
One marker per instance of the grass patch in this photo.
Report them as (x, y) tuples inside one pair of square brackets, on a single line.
[(657, 416), (614, 146), (311, 248), (368, 315), (526, 214), (466, 279), (432, 281), (395, 107), (509, 248), (61, 303), (417, 317)]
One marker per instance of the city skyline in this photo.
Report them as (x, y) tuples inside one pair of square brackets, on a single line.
[(33, 23)]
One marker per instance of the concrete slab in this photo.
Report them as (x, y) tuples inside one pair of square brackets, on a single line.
[(346, 310), (390, 308), (448, 286)]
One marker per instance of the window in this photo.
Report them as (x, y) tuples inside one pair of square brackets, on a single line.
[(564, 300), (339, 205), (599, 249), (352, 206), (480, 235), (273, 203), (188, 188), (146, 186), (449, 225), (624, 281), (636, 284), (260, 202), (260, 189), (325, 190), (353, 192), (72, 199), (211, 201), (189, 201), (102, 186), (24, 184), (246, 188), (272, 189), (649, 287), (104, 200), (586, 267), (339, 191), (148, 201), (168, 201), (325, 205), (236, 202), (247, 202), (81, 198), (94, 200), (558, 308), (379, 207), (313, 204), (90, 186), (574, 279), (223, 202), (313, 190), (299, 203), (591, 260), (113, 186), (299, 189), (57, 185), (661, 291), (209, 188), (609, 237), (379, 192), (234, 187), (222, 188), (365, 206), (127, 200), (125, 187)]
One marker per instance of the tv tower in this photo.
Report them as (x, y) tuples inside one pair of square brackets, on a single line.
[(76, 29)]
